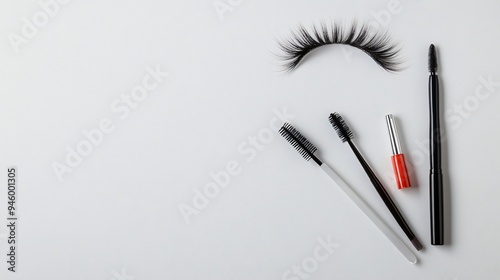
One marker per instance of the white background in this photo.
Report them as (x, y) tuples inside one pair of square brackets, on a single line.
[(116, 215)]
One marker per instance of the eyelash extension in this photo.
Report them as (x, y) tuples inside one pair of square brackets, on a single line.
[(377, 45)]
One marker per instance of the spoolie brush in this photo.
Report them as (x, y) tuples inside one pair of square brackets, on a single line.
[(308, 150), (346, 135)]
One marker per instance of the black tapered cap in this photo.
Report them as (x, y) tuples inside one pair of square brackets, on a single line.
[(432, 59)]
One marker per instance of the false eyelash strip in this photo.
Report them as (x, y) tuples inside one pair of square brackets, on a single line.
[(378, 45)]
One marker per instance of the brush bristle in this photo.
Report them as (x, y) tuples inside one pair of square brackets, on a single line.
[(301, 144), (432, 59), (340, 127)]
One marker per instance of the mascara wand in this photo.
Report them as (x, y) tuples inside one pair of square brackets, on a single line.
[(345, 134), (436, 173), (307, 150)]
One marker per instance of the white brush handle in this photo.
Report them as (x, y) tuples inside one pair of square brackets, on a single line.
[(371, 214)]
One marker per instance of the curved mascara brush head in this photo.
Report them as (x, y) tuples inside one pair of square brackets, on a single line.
[(338, 123), (376, 44)]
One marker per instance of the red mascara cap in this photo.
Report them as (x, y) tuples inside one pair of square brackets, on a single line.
[(400, 171), (398, 158)]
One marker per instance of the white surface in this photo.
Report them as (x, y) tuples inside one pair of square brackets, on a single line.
[(117, 214), (373, 217)]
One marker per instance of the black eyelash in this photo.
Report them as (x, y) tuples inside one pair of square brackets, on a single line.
[(377, 45)]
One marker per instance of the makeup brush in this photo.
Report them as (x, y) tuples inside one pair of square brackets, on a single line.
[(307, 150), (345, 134)]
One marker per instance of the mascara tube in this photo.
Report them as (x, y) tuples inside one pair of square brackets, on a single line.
[(397, 158)]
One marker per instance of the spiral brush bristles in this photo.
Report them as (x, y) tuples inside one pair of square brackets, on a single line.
[(432, 59), (340, 127), (298, 141)]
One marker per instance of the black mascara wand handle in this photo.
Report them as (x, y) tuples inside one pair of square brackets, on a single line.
[(386, 198), (435, 176)]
